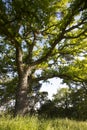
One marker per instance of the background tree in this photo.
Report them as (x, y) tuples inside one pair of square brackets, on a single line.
[(71, 103), (39, 36), (62, 102)]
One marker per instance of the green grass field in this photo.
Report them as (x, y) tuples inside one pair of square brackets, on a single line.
[(33, 123)]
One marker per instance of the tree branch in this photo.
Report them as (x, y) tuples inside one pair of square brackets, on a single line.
[(72, 37), (77, 26), (30, 48), (46, 76), (66, 21)]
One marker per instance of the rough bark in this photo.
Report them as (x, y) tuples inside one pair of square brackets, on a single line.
[(21, 105)]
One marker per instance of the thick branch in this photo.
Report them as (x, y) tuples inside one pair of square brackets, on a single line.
[(66, 21), (75, 78), (19, 61), (30, 48), (49, 52)]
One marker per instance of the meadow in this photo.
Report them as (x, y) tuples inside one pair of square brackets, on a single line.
[(33, 123)]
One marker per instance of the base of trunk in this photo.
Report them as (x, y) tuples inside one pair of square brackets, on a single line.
[(21, 105)]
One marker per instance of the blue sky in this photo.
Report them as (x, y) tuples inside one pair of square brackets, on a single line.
[(52, 86)]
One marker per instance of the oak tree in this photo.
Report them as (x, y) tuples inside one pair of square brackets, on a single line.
[(38, 40)]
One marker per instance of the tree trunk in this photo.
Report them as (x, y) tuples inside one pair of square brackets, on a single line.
[(21, 105)]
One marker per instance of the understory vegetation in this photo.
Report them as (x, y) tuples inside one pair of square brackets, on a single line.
[(33, 123)]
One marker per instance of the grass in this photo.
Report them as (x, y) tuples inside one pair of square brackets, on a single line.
[(33, 123)]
